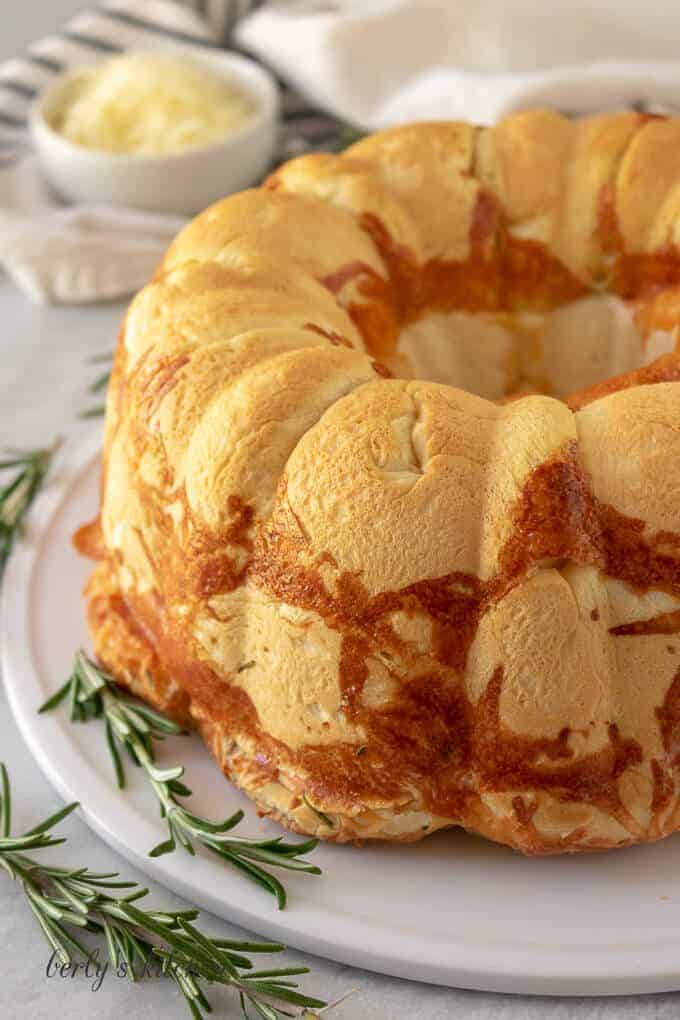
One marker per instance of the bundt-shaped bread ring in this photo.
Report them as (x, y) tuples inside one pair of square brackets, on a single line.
[(389, 604)]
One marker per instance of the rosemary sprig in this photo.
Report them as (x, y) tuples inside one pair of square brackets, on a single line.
[(95, 411), (348, 134), (93, 693), (64, 899), (16, 496), (98, 385)]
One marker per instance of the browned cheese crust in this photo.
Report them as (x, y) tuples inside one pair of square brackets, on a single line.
[(390, 597)]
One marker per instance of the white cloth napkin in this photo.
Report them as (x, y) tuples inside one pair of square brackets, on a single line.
[(380, 62), (82, 254), (85, 253), (370, 63)]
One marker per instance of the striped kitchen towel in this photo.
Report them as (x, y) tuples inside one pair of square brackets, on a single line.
[(119, 25), (84, 254), (222, 15)]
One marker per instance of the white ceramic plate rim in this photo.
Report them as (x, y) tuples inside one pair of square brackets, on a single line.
[(645, 964)]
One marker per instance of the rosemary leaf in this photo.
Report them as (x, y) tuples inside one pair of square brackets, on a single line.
[(100, 383), (56, 698), (96, 411), (17, 495), (62, 899), (5, 803), (53, 820), (115, 756), (93, 693), (320, 814)]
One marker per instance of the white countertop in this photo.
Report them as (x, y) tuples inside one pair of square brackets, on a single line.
[(43, 377)]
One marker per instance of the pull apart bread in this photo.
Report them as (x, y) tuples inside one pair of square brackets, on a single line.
[(354, 527)]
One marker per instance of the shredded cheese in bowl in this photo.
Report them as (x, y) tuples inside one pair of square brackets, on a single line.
[(149, 104)]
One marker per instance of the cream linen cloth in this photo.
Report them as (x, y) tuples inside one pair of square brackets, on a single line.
[(380, 62)]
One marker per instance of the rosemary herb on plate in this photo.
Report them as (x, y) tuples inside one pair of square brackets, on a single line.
[(98, 385), (67, 902), (29, 469), (92, 693)]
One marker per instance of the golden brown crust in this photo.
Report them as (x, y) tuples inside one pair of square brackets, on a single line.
[(387, 601)]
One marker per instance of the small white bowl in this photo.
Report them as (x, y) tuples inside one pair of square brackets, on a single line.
[(182, 183)]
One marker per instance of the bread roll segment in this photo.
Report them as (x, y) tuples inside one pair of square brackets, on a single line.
[(351, 529)]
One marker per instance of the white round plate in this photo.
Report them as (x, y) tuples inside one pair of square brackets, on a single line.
[(453, 909)]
